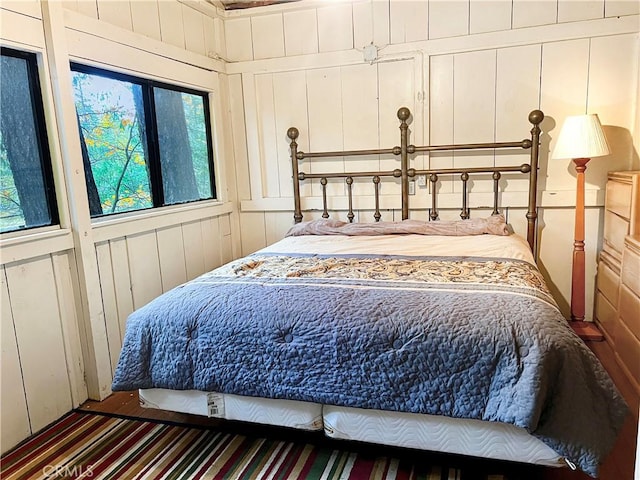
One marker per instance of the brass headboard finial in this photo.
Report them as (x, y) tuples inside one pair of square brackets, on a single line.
[(536, 117), (404, 113), (293, 133)]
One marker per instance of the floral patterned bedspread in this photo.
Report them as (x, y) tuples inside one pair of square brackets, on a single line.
[(413, 334)]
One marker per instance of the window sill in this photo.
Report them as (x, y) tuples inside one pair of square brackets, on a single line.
[(107, 228), (22, 245)]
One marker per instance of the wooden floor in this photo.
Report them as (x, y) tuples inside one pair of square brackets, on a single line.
[(619, 465)]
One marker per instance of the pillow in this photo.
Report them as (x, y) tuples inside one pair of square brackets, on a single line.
[(493, 225)]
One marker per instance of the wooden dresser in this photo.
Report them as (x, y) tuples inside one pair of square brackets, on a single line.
[(618, 282)]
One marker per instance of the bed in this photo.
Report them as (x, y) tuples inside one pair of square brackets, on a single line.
[(437, 335)]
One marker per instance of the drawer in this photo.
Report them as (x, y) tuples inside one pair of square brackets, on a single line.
[(608, 283), (606, 316), (615, 229), (619, 198), (631, 270), (628, 350), (629, 310)]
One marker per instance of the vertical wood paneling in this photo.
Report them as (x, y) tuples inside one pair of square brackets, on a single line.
[(265, 110), (448, 18), (211, 243), (145, 18), (109, 302), (65, 272), (517, 94), (122, 287), (193, 249), (565, 67), (252, 228), (239, 137), (474, 105), (290, 109), (34, 303), (360, 120), (609, 65), (489, 16), (363, 25), (238, 39), (226, 249), (267, 33), (324, 100), (360, 109), (220, 36), (210, 37), (171, 251), (381, 25), (615, 8), (88, 8), (335, 28), (573, 11), (171, 26), (300, 32), (409, 20), (115, 13), (193, 30), (276, 225), (395, 89), (144, 267), (441, 110), (528, 14), (70, 4), (15, 417)]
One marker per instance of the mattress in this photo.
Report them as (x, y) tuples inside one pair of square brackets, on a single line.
[(285, 413), (495, 440), (425, 432)]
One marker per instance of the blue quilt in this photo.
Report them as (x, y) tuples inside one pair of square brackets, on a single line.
[(464, 337)]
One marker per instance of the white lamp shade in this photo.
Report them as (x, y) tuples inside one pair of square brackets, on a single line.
[(581, 137)]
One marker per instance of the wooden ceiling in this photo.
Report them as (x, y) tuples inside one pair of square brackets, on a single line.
[(239, 4)]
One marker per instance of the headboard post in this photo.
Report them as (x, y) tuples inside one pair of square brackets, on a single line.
[(403, 116), (535, 117), (293, 133)]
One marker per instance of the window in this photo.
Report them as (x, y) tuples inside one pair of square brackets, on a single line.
[(27, 196), (144, 144)]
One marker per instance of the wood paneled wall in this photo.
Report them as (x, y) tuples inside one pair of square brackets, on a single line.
[(66, 292), (315, 27), (469, 72)]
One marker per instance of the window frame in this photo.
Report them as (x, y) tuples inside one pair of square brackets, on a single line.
[(154, 161), (40, 125)]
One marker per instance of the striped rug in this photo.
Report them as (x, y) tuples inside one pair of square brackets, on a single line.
[(93, 447)]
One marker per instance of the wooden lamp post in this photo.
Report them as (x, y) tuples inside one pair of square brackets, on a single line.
[(580, 139)]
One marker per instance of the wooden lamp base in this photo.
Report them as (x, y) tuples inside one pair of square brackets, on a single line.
[(587, 331)]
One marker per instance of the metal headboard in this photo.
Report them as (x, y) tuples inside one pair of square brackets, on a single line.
[(404, 172)]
